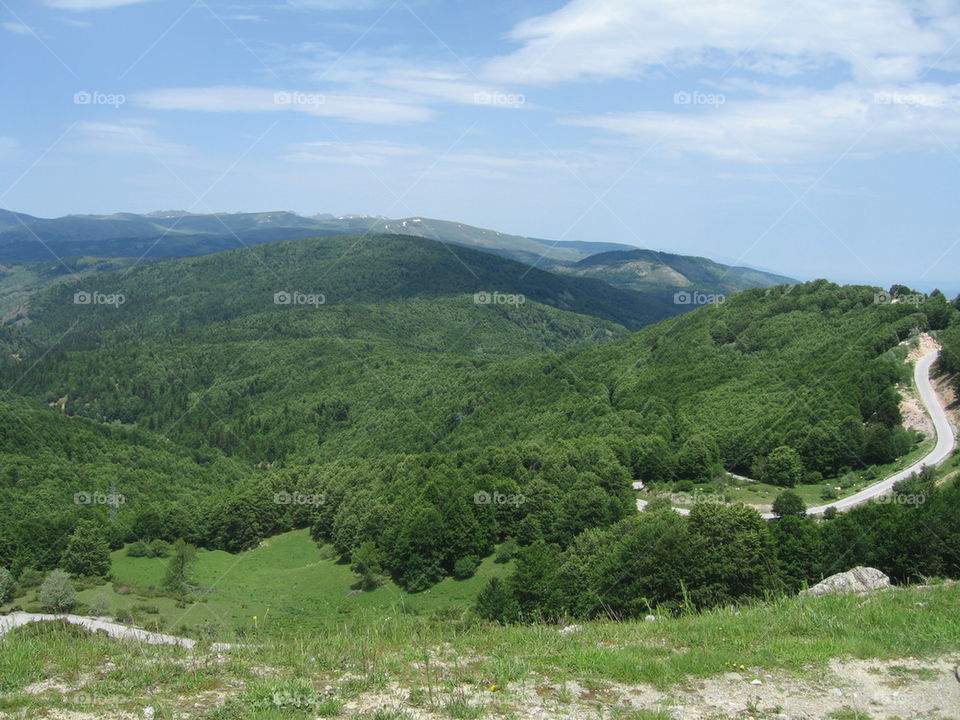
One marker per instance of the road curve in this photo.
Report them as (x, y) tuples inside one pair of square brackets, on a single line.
[(946, 443), (112, 629)]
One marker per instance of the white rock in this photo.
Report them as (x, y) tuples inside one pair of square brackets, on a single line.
[(571, 629), (858, 580), (756, 681), (650, 618)]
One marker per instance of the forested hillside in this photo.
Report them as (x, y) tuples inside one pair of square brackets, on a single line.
[(427, 423)]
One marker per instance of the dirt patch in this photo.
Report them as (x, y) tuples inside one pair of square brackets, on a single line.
[(925, 345), (914, 416), (945, 385)]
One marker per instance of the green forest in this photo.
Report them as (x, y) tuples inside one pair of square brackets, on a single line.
[(418, 426)]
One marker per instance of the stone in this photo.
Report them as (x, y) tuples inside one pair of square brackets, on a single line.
[(858, 580), (650, 618), (571, 629)]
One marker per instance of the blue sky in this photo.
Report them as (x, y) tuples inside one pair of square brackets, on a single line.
[(818, 139)]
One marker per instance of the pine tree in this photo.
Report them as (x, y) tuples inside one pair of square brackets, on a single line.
[(87, 552)]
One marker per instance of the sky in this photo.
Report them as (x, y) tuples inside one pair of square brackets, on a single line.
[(815, 138)]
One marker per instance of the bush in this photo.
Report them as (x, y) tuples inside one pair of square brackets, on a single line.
[(788, 503), (160, 548), (6, 586), (507, 551), (57, 592), (829, 492), (497, 602), (465, 567), (101, 606), (30, 578), (138, 550)]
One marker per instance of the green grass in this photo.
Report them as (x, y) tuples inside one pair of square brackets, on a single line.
[(285, 584), (448, 665)]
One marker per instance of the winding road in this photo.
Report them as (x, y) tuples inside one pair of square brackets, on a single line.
[(946, 443)]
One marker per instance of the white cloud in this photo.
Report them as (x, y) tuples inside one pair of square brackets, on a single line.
[(18, 28), (132, 138), (333, 5), (233, 98), (801, 125), (80, 5), (880, 41), (361, 153)]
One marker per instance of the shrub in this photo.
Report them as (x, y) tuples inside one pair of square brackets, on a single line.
[(465, 567), (101, 606), (160, 548), (57, 592), (6, 586), (138, 550), (30, 578), (507, 551), (789, 503)]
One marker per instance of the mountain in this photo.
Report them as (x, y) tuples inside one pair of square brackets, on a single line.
[(435, 400), (667, 273), (176, 233)]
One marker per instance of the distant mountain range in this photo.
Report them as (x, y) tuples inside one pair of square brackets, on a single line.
[(176, 233)]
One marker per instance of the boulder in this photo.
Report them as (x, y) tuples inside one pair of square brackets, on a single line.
[(858, 580)]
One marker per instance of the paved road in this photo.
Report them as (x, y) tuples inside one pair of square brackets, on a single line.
[(946, 443), (116, 630)]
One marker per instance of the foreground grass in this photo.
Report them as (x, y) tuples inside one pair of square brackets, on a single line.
[(448, 662)]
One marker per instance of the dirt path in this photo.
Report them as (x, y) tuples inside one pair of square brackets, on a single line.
[(112, 629)]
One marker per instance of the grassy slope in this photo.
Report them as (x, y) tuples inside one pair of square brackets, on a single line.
[(449, 665), (288, 583)]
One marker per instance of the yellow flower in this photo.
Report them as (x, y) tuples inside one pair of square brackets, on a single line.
[(492, 688)]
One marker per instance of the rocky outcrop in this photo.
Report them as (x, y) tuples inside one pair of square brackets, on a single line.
[(857, 580)]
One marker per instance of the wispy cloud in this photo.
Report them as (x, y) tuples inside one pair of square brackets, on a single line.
[(80, 5), (234, 98), (131, 138), (370, 153), (17, 28), (801, 125), (884, 40)]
